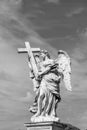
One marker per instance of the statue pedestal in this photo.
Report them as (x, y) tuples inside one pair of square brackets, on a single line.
[(44, 126)]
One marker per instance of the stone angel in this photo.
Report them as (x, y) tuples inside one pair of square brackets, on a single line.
[(46, 75), (52, 73)]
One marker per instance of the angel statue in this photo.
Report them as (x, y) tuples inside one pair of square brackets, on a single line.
[(50, 73)]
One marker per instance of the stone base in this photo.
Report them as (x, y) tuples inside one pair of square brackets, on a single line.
[(44, 126), (44, 119), (50, 126)]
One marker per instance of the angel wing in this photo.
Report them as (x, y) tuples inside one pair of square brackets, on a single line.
[(64, 66)]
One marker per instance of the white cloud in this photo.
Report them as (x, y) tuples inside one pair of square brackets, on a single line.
[(83, 120), (79, 66), (54, 1), (75, 11), (27, 98)]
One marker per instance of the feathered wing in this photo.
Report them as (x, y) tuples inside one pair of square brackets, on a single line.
[(65, 68), (67, 80)]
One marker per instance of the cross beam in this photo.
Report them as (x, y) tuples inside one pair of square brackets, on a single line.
[(24, 50), (31, 59)]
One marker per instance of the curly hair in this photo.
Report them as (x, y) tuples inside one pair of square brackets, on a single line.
[(46, 53)]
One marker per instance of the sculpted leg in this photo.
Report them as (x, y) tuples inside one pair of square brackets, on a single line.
[(54, 107), (45, 105), (49, 107), (40, 100), (33, 108)]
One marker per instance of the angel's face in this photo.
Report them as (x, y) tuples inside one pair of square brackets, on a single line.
[(43, 56)]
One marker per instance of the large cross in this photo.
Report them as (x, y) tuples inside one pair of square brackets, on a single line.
[(30, 52), (25, 50)]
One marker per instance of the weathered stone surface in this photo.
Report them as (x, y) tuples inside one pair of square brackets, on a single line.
[(46, 74), (50, 126)]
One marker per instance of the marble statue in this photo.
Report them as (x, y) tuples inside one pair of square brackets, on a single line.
[(46, 75)]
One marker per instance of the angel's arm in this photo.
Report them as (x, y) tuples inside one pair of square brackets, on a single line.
[(44, 71), (48, 65)]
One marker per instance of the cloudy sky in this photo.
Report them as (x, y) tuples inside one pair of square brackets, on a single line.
[(49, 24)]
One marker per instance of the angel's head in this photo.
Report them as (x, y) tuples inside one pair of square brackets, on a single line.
[(45, 54)]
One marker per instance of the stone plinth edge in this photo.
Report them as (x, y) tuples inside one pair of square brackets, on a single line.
[(49, 126)]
